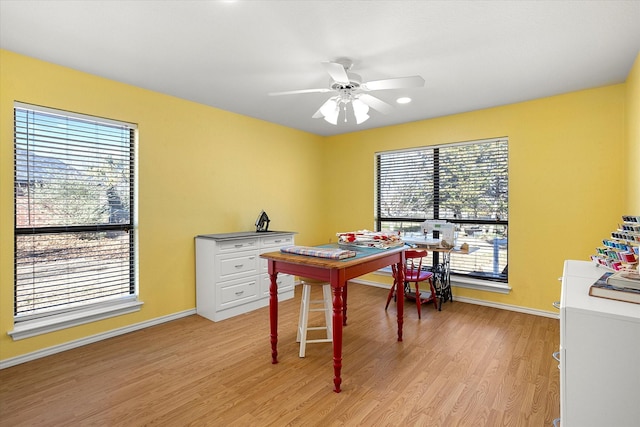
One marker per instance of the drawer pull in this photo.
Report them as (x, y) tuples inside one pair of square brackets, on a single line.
[(556, 356), (239, 293), (239, 266), (556, 304), (238, 245), (278, 241)]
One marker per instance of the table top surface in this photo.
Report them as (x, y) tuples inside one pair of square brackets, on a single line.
[(363, 255)]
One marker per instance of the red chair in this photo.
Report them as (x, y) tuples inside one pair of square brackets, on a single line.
[(413, 273)]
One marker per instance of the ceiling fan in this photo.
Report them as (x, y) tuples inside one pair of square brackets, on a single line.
[(349, 89)]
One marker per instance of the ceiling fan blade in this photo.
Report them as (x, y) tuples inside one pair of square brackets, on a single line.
[(375, 103), (293, 92), (337, 72), (396, 83)]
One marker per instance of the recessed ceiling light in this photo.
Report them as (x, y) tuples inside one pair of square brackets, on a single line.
[(403, 100)]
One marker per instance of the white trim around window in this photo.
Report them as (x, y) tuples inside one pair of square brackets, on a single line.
[(43, 325)]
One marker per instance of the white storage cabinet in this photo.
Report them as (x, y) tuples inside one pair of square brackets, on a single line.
[(599, 354), (231, 278)]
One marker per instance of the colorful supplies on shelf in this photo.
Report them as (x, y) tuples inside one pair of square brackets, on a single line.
[(620, 251)]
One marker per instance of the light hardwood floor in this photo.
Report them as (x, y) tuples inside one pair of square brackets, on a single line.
[(467, 365)]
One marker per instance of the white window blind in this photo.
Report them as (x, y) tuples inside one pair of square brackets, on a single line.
[(74, 211), (463, 183)]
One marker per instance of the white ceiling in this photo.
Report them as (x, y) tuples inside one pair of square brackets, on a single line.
[(230, 55)]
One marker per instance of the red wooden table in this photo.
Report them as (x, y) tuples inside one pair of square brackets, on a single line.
[(337, 273)]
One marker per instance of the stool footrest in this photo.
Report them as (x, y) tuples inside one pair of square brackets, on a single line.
[(319, 340), (325, 305)]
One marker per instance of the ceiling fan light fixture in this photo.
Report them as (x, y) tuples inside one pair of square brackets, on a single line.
[(403, 100), (330, 111), (333, 118), (329, 107), (361, 118), (360, 110)]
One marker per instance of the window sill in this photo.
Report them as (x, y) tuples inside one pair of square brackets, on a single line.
[(481, 285), (31, 328), (468, 283)]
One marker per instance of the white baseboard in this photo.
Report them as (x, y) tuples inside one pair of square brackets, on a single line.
[(91, 339), (501, 306)]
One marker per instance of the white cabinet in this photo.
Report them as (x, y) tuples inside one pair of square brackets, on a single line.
[(231, 278), (599, 354)]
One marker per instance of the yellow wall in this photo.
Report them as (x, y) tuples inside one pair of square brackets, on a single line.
[(201, 170), (565, 194), (633, 139)]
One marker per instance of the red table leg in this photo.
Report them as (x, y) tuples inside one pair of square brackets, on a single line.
[(400, 298), (273, 315), (344, 304), (337, 335)]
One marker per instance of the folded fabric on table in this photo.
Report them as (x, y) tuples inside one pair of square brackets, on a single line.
[(370, 239), (331, 253)]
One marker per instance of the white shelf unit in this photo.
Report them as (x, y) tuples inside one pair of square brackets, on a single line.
[(231, 278), (599, 354)]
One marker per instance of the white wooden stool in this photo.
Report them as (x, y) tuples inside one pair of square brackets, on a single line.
[(306, 303)]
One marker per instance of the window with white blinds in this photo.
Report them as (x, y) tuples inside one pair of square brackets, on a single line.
[(463, 183), (74, 211)]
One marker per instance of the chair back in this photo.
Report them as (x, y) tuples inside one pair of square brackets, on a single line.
[(414, 259), (413, 274), (413, 263)]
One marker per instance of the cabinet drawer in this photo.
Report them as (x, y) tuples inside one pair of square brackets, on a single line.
[(236, 265), (276, 241), (237, 245), (273, 244), (236, 292), (285, 283)]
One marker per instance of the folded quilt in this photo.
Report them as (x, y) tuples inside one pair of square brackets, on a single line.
[(331, 253)]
